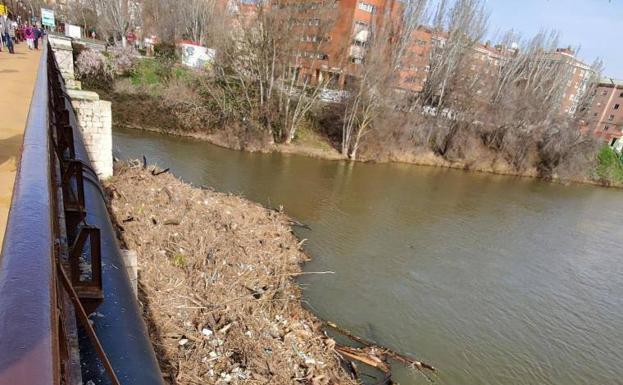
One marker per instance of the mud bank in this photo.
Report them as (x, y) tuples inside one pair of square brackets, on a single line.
[(216, 282)]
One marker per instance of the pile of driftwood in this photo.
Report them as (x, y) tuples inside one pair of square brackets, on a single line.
[(216, 281)]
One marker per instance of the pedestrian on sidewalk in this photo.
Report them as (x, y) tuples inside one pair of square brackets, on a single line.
[(30, 36), (19, 31), (37, 32), (1, 33), (6, 32), (12, 28)]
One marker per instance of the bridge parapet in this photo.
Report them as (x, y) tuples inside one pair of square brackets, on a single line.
[(64, 53), (60, 260), (94, 115)]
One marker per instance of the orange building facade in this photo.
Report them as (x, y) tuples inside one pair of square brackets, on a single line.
[(335, 37), (346, 35)]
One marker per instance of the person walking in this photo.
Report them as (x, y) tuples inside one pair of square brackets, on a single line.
[(37, 33), (6, 33), (12, 28), (1, 32), (30, 36)]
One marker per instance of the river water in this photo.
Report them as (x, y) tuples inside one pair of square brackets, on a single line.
[(493, 279)]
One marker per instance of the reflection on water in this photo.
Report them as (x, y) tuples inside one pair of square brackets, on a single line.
[(493, 279)]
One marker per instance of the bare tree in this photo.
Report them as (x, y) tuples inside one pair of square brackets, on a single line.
[(159, 19), (193, 17), (456, 33), (306, 52), (591, 81), (113, 18), (377, 63), (264, 63)]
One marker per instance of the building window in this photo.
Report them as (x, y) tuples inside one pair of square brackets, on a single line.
[(611, 117), (606, 128), (366, 7), (621, 94), (616, 106)]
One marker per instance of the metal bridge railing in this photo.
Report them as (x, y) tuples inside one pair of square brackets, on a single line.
[(51, 274), (29, 338)]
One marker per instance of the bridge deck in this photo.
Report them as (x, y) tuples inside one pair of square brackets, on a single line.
[(18, 73)]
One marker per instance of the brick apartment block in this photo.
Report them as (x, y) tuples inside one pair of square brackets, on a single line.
[(605, 119)]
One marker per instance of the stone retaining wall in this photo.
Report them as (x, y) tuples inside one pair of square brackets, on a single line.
[(94, 115)]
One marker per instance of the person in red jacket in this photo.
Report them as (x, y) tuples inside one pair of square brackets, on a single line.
[(30, 36)]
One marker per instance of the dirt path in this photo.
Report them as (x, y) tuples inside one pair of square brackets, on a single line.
[(17, 79)]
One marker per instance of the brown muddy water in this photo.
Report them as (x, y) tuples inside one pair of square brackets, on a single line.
[(492, 279)]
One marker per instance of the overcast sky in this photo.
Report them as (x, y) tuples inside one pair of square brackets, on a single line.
[(595, 25)]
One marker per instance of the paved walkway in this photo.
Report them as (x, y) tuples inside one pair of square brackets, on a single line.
[(17, 79)]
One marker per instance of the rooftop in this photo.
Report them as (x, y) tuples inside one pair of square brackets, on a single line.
[(611, 81)]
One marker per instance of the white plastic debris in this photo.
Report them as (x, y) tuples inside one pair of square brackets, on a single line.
[(183, 341), (207, 332)]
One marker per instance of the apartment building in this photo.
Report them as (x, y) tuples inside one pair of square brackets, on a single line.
[(334, 50), (346, 40), (605, 119), (578, 74), (416, 61)]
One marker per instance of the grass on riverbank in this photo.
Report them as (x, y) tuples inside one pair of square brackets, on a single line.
[(610, 165), (149, 72)]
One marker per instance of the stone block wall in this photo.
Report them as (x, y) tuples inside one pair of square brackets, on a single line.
[(94, 115), (64, 53), (95, 119)]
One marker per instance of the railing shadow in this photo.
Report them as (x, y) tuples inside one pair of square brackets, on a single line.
[(8, 147)]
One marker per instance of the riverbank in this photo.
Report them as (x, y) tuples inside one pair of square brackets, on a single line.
[(216, 280), (317, 147), (175, 108)]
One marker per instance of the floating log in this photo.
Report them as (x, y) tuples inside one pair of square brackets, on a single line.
[(402, 358), (364, 356)]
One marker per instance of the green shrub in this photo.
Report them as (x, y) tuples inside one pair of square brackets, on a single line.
[(180, 72), (146, 72), (610, 165)]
